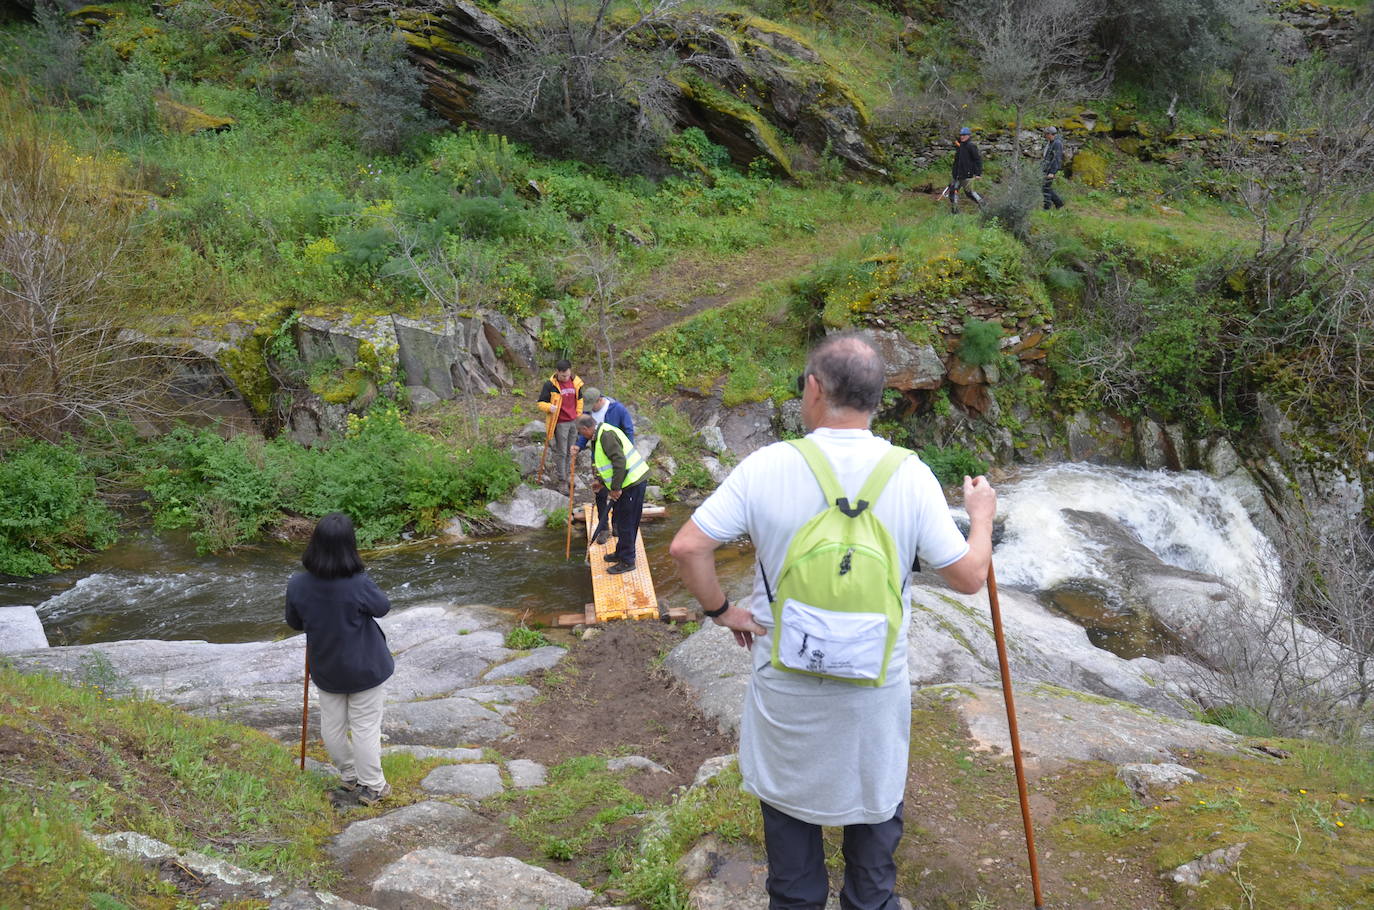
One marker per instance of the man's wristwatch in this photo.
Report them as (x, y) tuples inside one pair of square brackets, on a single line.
[(712, 614)]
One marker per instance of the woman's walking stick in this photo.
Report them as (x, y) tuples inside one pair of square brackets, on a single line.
[(1015, 736), (572, 478), (305, 706)]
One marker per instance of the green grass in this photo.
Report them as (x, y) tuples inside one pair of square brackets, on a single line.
[(1310, 811), (77, 758)]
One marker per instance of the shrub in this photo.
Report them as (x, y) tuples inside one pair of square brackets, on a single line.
[(523, 638), (952, 463), (386, 477), (49, 512), (367, 71), (479, 163), (227, 491), (1011, 206), (981, 342)]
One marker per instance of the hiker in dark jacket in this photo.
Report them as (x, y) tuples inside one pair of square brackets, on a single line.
[(1050, 165), (968, 164), (336, 603)]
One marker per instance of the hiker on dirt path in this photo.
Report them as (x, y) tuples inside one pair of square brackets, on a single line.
[(826, 721), (562, 395), (622, 470), (603, 409), (336, 603), (968, 165), (1050, 164)]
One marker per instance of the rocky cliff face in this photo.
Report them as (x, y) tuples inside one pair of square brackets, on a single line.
[(748, 83)]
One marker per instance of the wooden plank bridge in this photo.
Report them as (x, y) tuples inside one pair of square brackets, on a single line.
[(629, 595)]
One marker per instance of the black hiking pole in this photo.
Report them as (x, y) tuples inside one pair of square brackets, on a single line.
[(305, 706), (1015, 735)]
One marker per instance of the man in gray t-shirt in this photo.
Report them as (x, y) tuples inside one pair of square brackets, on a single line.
[(823, 751)]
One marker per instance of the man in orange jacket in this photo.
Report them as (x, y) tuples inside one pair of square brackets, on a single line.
[(562, 397)]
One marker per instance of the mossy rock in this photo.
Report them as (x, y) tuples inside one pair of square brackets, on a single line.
[(732, 123), (176, 117), (1089, 167)]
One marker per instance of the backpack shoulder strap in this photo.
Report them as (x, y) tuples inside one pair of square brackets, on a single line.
[(882, 473), (820, 467)]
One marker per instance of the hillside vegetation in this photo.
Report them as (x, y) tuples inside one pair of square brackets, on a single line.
[(221, 171)]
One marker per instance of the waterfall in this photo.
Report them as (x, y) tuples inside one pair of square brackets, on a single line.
[(1185, 519)]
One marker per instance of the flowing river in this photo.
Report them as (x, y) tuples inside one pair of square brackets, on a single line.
[(156, 586)]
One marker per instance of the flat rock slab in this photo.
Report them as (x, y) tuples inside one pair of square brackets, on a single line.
[(443, 722), (440, 649), (475, 781), (431, 879), (365, 847), (302, 899), (21, 630), (538, 659), (132, 845), (505, 694), (433, 752), (635, 763), (1057, 725), (1148, 779), (526, 774)]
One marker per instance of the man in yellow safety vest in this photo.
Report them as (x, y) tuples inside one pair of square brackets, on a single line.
[(623, 470)]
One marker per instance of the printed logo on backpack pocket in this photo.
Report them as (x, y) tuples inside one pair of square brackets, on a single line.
[(843, 645)]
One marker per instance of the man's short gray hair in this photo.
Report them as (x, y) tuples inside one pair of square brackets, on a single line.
[(586, 422), (850, 371)]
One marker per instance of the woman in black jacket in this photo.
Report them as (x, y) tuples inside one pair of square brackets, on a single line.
[(336, 603)]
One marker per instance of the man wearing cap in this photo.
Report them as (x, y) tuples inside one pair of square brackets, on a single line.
[(603, 409), (1050, 165), (968, 164), (622, 470)]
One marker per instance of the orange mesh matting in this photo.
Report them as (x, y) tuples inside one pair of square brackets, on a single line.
[(627, 596)]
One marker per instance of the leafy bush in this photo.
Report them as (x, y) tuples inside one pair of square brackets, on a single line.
[(981, 342), (227, 491), (49, 512), (1012, 204), (367, 71), (523, 638), (386, 477), (480, 163), (952, 463)]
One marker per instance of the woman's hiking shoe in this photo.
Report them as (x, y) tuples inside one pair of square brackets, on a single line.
[(368, 796)]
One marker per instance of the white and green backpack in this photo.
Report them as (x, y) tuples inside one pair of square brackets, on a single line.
[(837, 609)]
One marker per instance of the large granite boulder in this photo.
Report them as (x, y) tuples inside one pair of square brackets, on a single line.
[(435, 697)]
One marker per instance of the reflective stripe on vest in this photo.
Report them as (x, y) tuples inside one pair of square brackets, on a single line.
[(635, 468)]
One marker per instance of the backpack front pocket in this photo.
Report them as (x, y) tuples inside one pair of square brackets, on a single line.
[(831, 643)]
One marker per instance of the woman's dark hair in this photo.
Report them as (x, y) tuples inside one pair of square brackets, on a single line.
[(333, 548)]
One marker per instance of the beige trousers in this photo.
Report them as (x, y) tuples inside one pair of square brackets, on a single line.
[(360, 714)]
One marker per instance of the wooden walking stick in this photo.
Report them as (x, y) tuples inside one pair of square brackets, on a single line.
[(572, 478), (548, 435), (1015, 736), (305, 706)]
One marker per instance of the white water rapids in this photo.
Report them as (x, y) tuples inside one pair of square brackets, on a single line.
[(1185, 518)]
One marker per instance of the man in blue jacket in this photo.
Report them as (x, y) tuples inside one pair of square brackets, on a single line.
[(603, 409)]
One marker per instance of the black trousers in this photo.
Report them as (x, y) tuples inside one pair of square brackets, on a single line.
[(796, 863), (965, 184), (625, 514), (603, 499), (1051, 197)]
